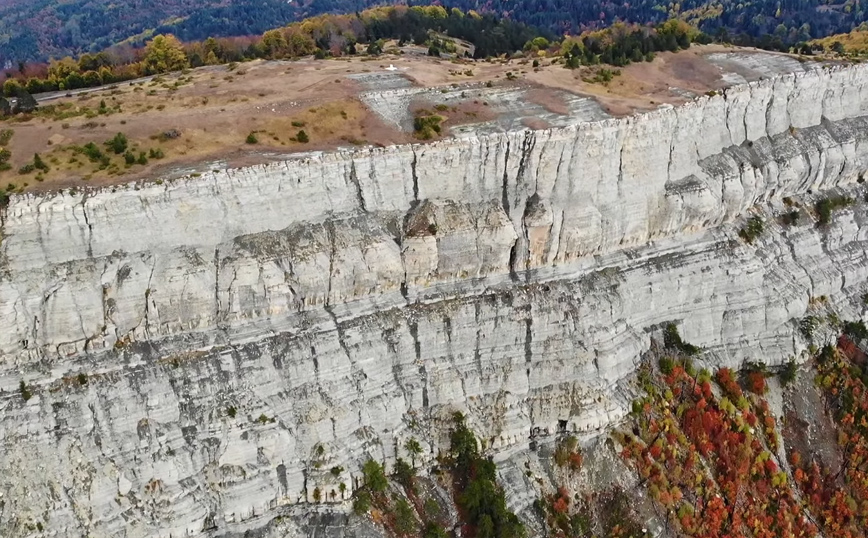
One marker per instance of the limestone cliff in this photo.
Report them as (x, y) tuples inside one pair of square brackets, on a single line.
[(201, 351)]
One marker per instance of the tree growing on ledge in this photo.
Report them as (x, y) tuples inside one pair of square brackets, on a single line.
[(478, 495)]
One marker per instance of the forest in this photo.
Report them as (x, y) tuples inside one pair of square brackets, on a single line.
[(40, 29), (365, 32)]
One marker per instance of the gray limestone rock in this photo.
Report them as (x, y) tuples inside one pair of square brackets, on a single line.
[(241, 333)]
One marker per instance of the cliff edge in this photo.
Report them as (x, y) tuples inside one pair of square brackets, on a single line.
[(356, 298)]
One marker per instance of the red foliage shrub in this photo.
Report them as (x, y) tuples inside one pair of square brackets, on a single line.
[(727, 382), (756, 382)]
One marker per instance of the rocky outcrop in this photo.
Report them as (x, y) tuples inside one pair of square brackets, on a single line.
[(202, 352)]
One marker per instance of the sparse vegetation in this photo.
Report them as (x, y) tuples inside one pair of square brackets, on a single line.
[(672, 340), (426, 125), (752, 230), (481, 500), (568, 453), (789, 372), (24, 390), (825, 206)]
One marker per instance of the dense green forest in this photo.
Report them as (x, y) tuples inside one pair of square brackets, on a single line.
[(39, 29)]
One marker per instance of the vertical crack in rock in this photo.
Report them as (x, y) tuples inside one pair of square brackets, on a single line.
[(726, 114), (327, 305), (415, 177), (477, 354), (557, 170), (504, 193), (87, 222), (413, 327), (504, 200), (527, 147), (354, 178), (217, 285)]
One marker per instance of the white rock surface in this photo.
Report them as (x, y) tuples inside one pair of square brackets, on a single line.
[(351, 300)]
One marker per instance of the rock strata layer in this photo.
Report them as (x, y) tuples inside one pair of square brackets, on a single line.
[(200, 353)]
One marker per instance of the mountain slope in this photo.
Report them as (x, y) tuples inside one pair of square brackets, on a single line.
[(44, 28), (39, 29)]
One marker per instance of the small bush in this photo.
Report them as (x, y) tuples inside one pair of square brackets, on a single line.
[(6, 136), (433, 530), (118, 144), (788, 373), (336, 471), (672, 340), (790, 218), (231, 411), (404, 474), (298, 124), (302, 137), (251, 138), (362, 502), (129, 158), (82, 378), (155, 154), (752, 230), (667, 365), (756, 382), (426, 126), (856, 330), (825, 207), (375, 477), (24, 390), (405, 519)]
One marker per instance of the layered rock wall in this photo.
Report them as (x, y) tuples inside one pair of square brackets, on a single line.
[(203, 351)]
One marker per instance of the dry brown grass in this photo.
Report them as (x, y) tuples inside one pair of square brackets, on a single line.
[(215, 108)]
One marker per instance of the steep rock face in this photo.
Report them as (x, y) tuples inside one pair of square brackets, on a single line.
[(241, 333)]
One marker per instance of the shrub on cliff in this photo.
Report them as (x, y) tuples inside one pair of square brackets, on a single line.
[(427, 126), (24, 390), (788, 373), (362, 502), (825, 206), (752, 230), (375, 477), (480, 499), (672, 340)]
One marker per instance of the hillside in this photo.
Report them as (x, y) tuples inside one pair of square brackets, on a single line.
[(36, 30), (854, 43), (39, 29)]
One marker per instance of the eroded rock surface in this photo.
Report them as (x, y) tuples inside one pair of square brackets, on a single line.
[(241, 333)]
